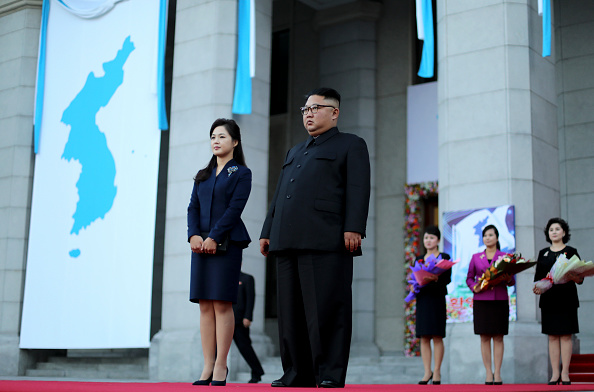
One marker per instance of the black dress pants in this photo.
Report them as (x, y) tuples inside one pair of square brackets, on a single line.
[(314, 316), (241, 337)]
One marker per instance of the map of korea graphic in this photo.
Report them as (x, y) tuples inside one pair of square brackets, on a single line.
[(88, 145)]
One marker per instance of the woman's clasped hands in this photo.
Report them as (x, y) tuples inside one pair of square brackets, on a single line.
[(198, 245)]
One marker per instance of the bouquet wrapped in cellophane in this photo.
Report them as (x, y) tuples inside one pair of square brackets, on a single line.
[(508, 264), (424, 271), (563, 270)]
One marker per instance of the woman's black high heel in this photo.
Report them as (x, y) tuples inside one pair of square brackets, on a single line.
[(557, 381), (423, 382), (203, 382), (223, 383)]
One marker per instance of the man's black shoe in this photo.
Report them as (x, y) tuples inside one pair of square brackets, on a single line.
[(278, 383), (255, 380), (330, 384)]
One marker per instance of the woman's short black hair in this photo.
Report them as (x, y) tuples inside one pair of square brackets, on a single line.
[(563, 225), (489, 227), (433, 230)]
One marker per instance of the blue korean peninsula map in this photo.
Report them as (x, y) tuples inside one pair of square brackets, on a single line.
[(88, 145)]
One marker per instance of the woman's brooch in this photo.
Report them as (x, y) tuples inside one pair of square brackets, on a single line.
[(231, 170)]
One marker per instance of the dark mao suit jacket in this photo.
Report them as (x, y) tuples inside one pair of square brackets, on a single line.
[(243, 309), (320, 194), (246, 298)]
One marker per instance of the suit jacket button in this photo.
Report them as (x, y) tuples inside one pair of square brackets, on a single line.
[(306, 152), (288, 196), (292, 180), (298, 166)]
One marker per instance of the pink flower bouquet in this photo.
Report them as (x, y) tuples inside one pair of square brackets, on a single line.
[(424, 271)]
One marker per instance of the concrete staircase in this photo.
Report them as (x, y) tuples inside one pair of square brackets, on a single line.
[(393, 369), (94, 364), (133, 365)]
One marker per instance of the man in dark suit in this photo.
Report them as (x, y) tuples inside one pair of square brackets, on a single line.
[(314, 227), (243, 311)]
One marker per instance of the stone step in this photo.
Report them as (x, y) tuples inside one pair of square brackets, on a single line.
[(390, 369), (122, 367), (74, 361), (88, 374), (393, 369), (94, 364), (109, 353)]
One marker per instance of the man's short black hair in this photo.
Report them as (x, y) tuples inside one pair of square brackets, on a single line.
[(325, 92)]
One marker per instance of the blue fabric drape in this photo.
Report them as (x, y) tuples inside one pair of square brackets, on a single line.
[(546, 28), (427, 59), (163, 124), (242, 99), (40, 76)]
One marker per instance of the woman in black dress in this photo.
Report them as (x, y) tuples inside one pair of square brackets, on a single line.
[(431, 310), (219, 196), (558, 305)]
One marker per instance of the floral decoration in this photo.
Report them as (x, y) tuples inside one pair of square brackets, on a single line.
[(231, 170), (412, 214)]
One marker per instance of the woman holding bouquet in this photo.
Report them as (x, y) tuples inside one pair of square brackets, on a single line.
[(558, 305), (491, 305), (431, 309)]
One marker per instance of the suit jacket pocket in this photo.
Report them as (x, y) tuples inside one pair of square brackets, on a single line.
[(327, 155), (288, 161), (328, 205)]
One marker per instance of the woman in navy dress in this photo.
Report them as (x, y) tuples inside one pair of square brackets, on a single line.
[(431, 312), (558, 305), (219, 196)]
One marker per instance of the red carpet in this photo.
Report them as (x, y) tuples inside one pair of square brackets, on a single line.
[(72, 386)]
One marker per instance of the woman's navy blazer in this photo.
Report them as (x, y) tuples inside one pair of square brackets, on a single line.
[(220, 216)]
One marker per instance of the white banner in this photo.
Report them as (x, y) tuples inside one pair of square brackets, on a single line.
[(422, 148), (90, 258)]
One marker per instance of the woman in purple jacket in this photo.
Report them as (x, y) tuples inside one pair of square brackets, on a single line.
[(491, 306)]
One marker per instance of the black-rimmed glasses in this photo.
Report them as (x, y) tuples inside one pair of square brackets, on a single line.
[(314, 108)]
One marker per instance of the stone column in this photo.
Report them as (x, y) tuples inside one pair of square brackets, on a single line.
[(20, 22), (394, 58), (575, 94), (347, 36), (498, 145), (203, 85)]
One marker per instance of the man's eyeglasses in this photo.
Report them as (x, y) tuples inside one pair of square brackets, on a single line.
[(314, 108)]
